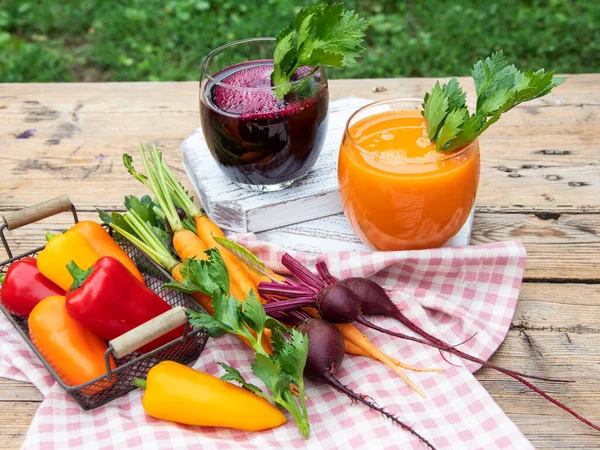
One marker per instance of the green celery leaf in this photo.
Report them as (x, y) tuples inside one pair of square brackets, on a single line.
[(104, 216), (493, 76), (282, 384), (485, 70), (455, 95), (120, 221), (500, 86), (450, 128), (217, 269), (183, 286), (285, 50), (277, 340), (143, 209), (532, 85), (303, 13), (253, 313), (228, 311), (495, 102), (469, 130), (338, 32), (292, 356), (212, 326), (232, 374), (303, 32), (207, 276), (303, 26), (268, 371), (435, 108), (281, 81), (322, 57), (323, 35)]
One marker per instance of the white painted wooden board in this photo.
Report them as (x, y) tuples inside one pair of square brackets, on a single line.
[(334, 234), (306, 217), (237, 209)]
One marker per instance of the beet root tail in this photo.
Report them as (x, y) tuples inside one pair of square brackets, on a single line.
[(437, 343), (335, 383)]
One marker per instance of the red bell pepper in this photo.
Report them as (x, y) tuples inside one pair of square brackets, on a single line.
[(109, 300), (24, 286)]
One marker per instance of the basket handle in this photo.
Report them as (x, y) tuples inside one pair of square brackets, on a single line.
[(37, 212), (147, 332)]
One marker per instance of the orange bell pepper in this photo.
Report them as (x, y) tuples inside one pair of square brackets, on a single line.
[(178, 393), (104, 245), (75, 353)]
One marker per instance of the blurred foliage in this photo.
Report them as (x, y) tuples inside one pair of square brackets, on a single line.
[(86, 40)]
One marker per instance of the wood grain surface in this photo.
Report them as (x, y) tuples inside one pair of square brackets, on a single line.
[(540, 183)]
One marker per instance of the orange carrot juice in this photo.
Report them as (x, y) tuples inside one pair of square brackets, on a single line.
[(397, 191)]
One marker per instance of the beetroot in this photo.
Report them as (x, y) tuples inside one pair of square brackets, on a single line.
[(350, 300), (337, 303), (325, 356)]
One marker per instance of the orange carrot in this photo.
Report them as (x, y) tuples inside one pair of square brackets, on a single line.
[(206, 229), (188, 245), (354, 349), (169, 191), (351, 333)]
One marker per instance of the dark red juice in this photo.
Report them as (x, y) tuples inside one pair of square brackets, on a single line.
[(257, 139)]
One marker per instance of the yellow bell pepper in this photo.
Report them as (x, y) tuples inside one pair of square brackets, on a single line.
[(178, 393), (62, 249)]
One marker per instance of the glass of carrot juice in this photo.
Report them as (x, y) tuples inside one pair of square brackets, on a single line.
[(397, 191)]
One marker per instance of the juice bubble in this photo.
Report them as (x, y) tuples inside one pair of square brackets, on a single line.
[(250, 93)]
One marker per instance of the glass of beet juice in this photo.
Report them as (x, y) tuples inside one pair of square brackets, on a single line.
[(261, 142)]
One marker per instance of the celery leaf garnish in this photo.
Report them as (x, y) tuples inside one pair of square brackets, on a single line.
[(323, 35), (500, 86)]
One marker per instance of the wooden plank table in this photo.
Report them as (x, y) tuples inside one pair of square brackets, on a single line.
[(540, 183)]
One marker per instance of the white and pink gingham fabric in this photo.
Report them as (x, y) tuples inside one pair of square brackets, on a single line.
[(453, 293)]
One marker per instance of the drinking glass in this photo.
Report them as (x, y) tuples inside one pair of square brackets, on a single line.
[(259, 141), (395, 197)]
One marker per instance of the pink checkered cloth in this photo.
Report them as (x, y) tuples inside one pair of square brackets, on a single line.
[(453, 293)]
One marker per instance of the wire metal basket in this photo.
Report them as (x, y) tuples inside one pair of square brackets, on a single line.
[(116, 382)]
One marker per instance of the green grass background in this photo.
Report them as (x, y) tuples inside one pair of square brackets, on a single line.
[(155, 40)]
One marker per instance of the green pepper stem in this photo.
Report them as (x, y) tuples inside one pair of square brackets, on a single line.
[(2, 277), (49, 236), (79, 275), (139, 382)]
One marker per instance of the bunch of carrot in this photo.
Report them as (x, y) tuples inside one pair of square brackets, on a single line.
[(170, 197)]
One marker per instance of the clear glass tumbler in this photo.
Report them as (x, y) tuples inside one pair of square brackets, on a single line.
[(259, 141), (397, 191)]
